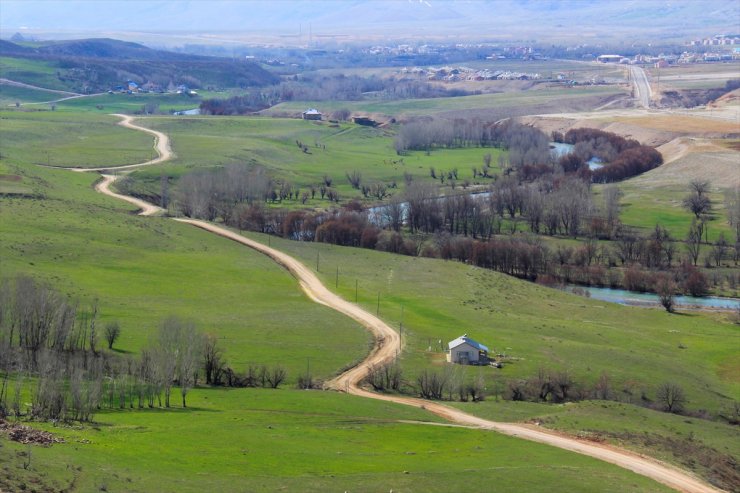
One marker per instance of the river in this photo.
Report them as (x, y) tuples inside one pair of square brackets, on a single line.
[(559, 149), (624, 297)]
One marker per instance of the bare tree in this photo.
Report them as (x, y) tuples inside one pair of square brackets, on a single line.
[(693, 240), (188, 355), (212, 359), (112, 332), (355, 179), (671, 397), (276, 376), (665, 287)]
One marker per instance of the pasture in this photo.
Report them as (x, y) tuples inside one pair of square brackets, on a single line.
[(551, 100), (536, 327), (144, 269), (260, 440)]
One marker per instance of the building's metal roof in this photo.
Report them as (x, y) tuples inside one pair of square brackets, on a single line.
[(312, 111), (464, 339)]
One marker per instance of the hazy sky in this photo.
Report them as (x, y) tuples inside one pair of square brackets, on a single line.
[(474, 17)]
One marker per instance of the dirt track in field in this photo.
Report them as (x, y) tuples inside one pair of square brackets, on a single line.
[(388, 345)]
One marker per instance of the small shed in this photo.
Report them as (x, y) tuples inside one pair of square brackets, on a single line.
[(466, 351), (311, 114)]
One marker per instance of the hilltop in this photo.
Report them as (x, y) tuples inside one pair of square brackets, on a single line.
[(94, 65)]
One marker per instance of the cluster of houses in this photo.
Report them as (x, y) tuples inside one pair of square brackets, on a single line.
[(717, 40), (663, 61), (454, 74), (132, 87)]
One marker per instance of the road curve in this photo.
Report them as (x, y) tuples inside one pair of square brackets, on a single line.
[(161, 145), (388, 345), (147, 209)]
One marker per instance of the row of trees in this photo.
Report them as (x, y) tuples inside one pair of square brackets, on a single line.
[(45, 342), (526, 145), (453, 382), (469, 227)]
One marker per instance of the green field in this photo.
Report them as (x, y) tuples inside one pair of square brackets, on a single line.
[(145, 269), (10, 95), (129, 103), (71, 140), (260, 440), (501, 102), (644, 207), (202, 142), (540, 327), (34, 72)]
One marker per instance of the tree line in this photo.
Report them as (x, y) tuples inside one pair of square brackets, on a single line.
[(498, 229), (50, 345), (454, 383)]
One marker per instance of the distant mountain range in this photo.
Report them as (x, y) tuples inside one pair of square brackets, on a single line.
[(91, 65), (540, 19)]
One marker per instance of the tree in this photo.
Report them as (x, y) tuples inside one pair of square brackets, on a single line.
[(693, 240), (719, 250), (212, 359), (697, 202), (671, 397), (188, 354), (112, 332), (666, 287)]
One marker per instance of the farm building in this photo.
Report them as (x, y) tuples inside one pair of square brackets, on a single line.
[(363, 120), (311, 114), (466, 351)]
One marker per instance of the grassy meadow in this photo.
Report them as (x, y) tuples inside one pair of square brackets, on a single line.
[(502, 102), (205, 142), (261, 440), (145, 269), (71, 140), (536, 327), (55, 227), (34, 72)]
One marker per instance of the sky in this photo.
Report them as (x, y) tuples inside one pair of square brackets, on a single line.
[(349, 17)]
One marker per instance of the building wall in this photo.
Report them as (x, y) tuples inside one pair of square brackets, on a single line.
[(454, 355)]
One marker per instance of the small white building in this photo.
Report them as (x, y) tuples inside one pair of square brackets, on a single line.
[(311, 114), (466, 351)]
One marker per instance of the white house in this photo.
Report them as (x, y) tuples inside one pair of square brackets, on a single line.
[(311, 114), (466, 351)]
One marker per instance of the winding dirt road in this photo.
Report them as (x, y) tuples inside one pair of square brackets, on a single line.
[(388, 345)]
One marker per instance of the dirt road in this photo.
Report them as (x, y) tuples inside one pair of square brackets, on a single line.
[(388, 345), (147, 209), (161, 145)]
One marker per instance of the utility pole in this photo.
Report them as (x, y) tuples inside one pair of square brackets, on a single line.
[(400, 327)]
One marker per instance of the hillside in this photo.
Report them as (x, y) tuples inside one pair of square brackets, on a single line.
[(95, 65)]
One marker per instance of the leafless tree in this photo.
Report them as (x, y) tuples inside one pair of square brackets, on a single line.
[(212, 359), (665, 287), (112, 332), (188, 355), (355, 179), (671, 397), (693, 240), (276, 376)]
